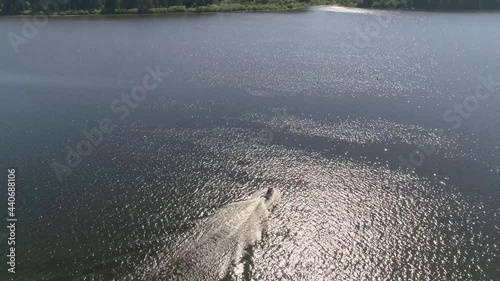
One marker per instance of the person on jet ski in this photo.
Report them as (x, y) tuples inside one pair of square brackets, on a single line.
[(268, 193)]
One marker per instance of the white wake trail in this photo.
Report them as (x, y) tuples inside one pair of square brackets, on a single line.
[(218, 242)]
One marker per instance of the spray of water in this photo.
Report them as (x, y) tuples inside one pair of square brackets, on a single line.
[(217, 242)]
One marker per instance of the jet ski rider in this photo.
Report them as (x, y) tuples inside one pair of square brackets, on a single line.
[(268, 193)]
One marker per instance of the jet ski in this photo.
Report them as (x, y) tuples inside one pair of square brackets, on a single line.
[(269, 193), (270, 196)]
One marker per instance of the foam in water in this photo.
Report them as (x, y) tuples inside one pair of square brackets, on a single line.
[(217, 242)]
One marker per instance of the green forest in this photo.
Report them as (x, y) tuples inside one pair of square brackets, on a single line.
[(84, 7)]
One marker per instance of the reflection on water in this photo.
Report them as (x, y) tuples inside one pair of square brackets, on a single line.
[(154, 201), (340, 9)]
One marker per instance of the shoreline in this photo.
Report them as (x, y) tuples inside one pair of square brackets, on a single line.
[(236, 8), (230, 8), (341, 9)]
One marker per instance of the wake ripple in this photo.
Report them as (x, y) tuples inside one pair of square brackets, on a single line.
[(217, 243)]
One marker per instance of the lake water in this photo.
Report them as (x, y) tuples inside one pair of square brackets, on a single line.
[(321, 104)]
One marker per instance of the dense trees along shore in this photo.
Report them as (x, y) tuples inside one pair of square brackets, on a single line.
[(429, 4), (82, 7)]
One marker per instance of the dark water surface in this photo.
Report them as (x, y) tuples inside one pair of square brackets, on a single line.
[(320, 104)]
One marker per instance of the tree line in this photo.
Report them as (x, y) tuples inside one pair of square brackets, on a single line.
[(431, 4), (15, 7)]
